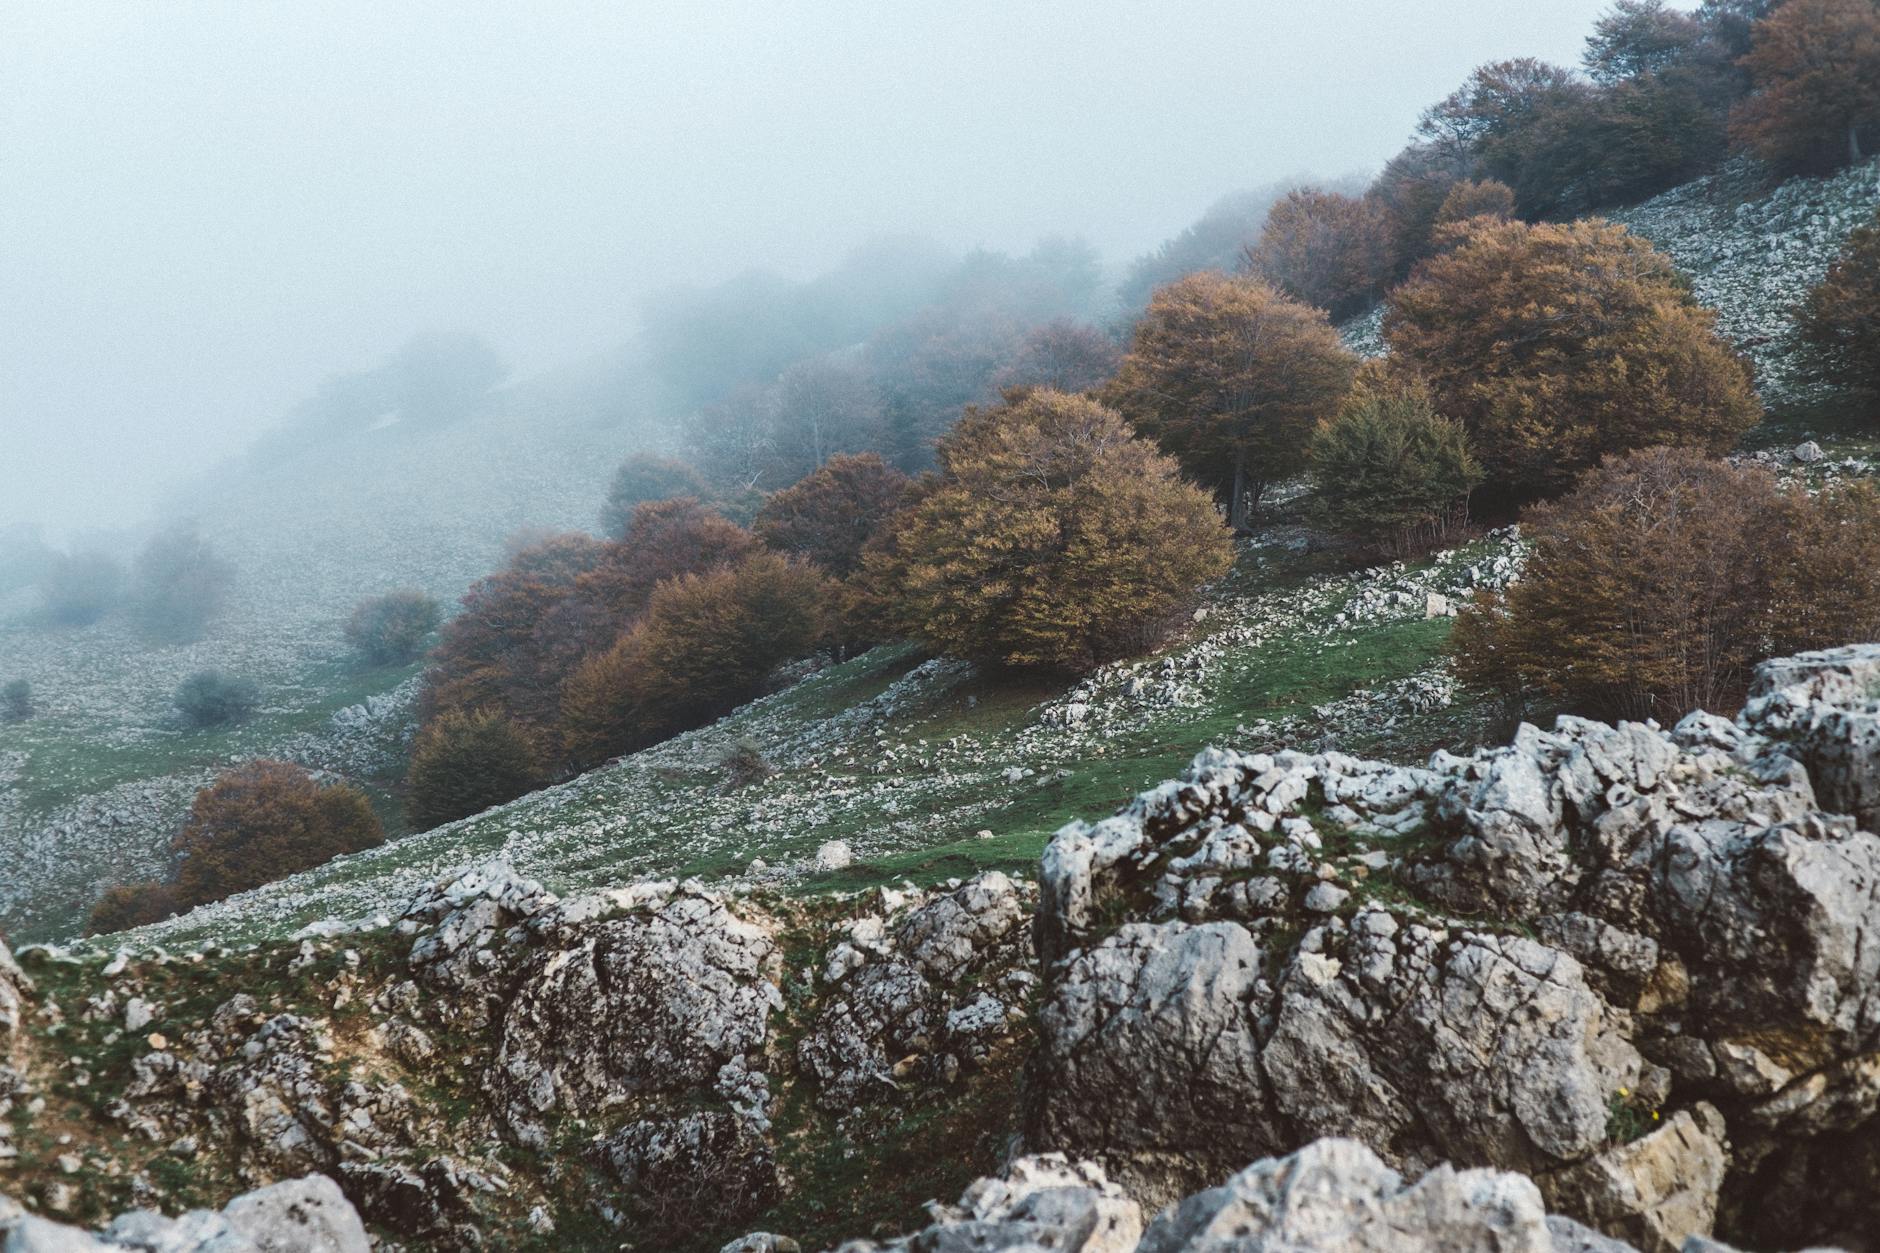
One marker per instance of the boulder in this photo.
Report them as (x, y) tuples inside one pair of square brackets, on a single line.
[(306, 1215), (633, 1009)]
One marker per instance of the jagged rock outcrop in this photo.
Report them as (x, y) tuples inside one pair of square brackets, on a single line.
[(655, 1004), (1331, 1196), (923, 995), (1044, 1202), (1528, 959), (307, 1215)]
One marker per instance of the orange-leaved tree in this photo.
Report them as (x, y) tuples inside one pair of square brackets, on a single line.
[(1557, 345), (1815, 70), (827, 517), (1325, 248), (1054, 537), (1655, 586), (1230, 376), (705, 646)]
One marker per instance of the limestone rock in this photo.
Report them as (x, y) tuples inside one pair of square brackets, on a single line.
[(1039, 1203), (1654, 1191), (649, 1005)]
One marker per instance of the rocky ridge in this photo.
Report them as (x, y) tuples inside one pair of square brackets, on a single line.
[(1622, 975)]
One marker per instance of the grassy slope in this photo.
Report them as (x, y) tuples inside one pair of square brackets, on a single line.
[(912, 761)]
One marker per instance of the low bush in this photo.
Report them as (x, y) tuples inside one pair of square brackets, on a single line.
[(463, 763), (16, 701), (130, 905), (390, 630), (264, 821), (210, 698), (744, 763)]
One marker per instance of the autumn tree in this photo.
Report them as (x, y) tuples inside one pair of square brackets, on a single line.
[(827, 518), (1841, 317), (1325, 248), (465, 762), (1523, 122), (1214, 241), (644, 477), (264, 821), (390, 630), (1411, 192), (1470, 199), (1815, 72), (1389, 469), (1556, 345), (705, 646), (1230, 376), (502, 651), (1064, 355), (1656, 586), (663, 540), (1055, 537)]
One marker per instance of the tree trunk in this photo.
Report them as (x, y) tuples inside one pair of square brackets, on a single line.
[(1237, 503)]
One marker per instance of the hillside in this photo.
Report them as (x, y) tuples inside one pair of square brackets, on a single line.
[(100, 778), (912, 762)]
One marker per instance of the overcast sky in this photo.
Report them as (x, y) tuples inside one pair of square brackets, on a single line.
[(206, 208)]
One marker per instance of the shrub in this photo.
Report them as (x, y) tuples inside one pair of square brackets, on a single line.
[(1657, 584), (744, 763), (1391, 469), (209, 698), (1815, 70), (827, 518), (641, 478), (390, 630), (1327, 249), (1841, 317), (706, 645), (16, 701), (463, 763), (264, 821), (178, 584), (78, 588), (1055, 537), (1230, 377), (1557, 345), (130, 905)]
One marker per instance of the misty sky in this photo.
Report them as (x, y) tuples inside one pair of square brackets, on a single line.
[(205, 208)]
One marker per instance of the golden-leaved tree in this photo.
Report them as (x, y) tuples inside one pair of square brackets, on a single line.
[(1657, 584), (1556, 345), (1055, 537), (1231, 376)]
